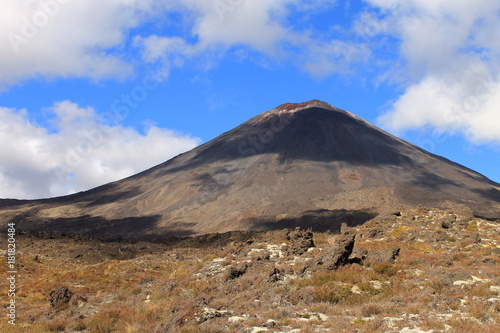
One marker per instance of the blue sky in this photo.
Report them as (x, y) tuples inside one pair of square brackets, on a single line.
[(91, 92)]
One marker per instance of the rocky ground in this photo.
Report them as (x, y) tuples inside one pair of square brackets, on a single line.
[(418, 270)]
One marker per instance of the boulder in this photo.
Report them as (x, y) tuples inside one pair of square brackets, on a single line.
[(383, 256), (338, 255), (301, 241), (60, 296), (234, 272)]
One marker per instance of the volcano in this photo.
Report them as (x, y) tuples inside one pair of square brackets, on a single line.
[(308, 164)]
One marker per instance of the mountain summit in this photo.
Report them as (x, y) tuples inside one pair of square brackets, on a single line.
[(308, 164)]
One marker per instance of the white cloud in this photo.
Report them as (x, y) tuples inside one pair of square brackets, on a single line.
[(252, 23), (325, 59), (61, 38), (88, 38), (80, 152), (220, 25), (156, 47), (258, 25), (451, 56)]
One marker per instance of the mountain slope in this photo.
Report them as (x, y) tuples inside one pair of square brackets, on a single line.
[(307, 164)]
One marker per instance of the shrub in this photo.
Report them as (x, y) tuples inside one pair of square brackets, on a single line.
[(330, 294), (303, 295), (80, 326), (384, 268), (56, 325), (371, 309), (104, 322)]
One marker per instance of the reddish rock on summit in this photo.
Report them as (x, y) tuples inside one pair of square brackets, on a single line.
[(308, 165)]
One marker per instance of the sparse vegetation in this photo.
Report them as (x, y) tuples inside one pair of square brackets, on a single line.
[(434, 284)]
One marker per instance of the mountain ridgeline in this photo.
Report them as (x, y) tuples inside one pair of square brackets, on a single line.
[(308, 165)]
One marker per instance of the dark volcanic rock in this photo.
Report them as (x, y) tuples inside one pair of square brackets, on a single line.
[(60, 296), (276, 275), (359, 254), (448, 221), (342, 249), (383, 256), (301, 241), (310, 165), (235, 272)]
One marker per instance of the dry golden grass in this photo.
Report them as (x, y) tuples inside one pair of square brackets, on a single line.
[(172, 287), (399, 231), (371, 309)]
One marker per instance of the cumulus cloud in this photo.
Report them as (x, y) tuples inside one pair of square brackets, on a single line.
[(334, 57), (450, 56), (79, 152), (89, 38), (61, 38), (217, 26), (252, 23), (267, 27)]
